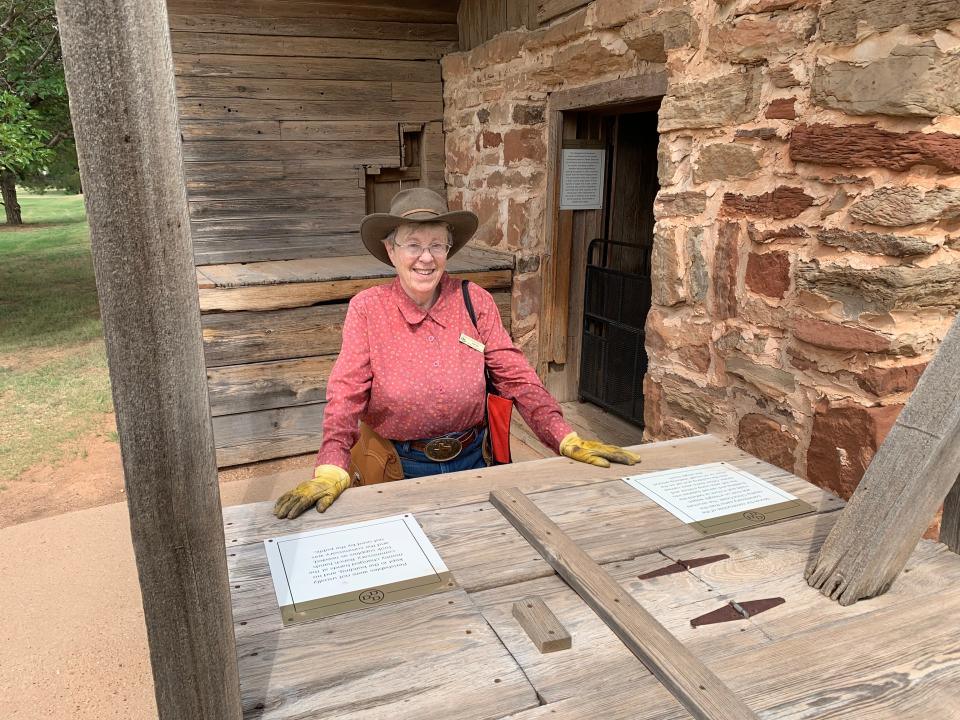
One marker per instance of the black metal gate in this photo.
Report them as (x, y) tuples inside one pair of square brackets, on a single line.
[(613, 357)]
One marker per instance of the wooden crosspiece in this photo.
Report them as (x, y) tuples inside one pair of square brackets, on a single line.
[(911, 474), (691, 682)]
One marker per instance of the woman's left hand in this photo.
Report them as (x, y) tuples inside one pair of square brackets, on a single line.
[(595, 452)]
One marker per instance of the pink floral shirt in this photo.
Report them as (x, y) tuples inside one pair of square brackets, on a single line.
[(405, 372)]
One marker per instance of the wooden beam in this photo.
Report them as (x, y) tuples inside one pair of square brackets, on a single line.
[(541, 625), (910, 476), (691, 682), (950, 523), (119, 75)]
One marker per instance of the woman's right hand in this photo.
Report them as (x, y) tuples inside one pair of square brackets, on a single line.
[(327, 484)]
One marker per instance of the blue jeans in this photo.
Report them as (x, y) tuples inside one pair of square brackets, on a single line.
[(416, 464)]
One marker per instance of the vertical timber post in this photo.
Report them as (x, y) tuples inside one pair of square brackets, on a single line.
[(119, 74)]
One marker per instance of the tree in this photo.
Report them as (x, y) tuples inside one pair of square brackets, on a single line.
[(36, 139)]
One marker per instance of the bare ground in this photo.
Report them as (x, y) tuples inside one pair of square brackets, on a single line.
[(91, 474)]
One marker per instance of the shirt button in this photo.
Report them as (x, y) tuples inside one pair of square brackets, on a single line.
[(430, 338), (436, 363)]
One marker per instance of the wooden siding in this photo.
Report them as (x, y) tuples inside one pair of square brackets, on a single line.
[(283, 104), (480, 20)]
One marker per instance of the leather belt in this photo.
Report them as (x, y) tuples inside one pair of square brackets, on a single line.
[(443, 449)]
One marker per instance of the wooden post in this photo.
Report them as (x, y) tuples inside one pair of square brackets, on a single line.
[(120, 78), (950, 524), (898, 496), (691, 682)]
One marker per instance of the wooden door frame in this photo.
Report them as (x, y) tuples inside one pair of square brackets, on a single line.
[(557, 366)]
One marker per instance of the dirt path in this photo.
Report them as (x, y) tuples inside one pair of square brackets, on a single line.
[(93, 476)]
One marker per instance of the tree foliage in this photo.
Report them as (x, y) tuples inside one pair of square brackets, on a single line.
[(36, 138)]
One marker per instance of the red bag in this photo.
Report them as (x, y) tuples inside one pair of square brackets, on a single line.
[(499, 409)]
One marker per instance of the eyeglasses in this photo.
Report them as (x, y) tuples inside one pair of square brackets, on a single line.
[(413, 251)]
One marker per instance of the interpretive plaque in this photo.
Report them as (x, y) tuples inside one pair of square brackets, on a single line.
[(718, 497), (337, 569), (581, 178)]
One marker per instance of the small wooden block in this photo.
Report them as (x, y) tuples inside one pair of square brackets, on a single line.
[(541, 624)]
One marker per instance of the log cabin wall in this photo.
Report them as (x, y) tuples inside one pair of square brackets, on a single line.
[(284, 104), (297, 118)]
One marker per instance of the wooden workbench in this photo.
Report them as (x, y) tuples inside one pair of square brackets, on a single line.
[(462, 655)]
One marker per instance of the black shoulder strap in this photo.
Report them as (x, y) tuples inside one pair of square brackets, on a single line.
[(468, 303), (473, 318)]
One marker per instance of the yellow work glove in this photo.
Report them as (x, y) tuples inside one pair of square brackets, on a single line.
[(595, 452), (327, 484)]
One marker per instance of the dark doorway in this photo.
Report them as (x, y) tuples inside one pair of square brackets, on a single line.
[(616, 243)]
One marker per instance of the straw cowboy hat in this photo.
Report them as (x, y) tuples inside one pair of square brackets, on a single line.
[(416, 205)]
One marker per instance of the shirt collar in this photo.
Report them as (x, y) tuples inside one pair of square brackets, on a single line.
[(414, 314)]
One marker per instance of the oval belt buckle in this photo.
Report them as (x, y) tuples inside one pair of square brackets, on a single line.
[(443, 449)]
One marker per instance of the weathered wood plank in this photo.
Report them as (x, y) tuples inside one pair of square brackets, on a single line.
[(905, 484), (912, 673), (444, 11), (415, 90), (265, 66), (697, 688), (305, 130), (288, 46), (247, 437), (251, 109), (276, 89), (224, 130), (650, 85), (254, 523), (261, 386), (244, 248), (376, 152), (313, 27), (346, 268), (320, 225), (597, 656), (119, 74), (321, 169), (338, 207), (239, 337), (427, 656), (301, 294), (616, 534), (546, 632), (265, 189), (214, 171)]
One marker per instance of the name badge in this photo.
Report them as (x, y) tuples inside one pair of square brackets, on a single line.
[(470, 342)]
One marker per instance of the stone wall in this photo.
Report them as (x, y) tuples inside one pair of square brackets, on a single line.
[(807, 249)]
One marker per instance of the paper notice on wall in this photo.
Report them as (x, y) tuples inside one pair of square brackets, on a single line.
[(333, 570), (581, 178), (718, 497)]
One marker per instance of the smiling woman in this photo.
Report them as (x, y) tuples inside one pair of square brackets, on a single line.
[(411, 366)]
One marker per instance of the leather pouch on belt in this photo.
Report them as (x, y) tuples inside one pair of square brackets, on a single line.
[(373, 459)]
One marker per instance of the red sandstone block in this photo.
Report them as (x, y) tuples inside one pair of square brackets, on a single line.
[(768, 273), (524, 144), (869, 146), (781, 109), (838, 337), (782, 203), (843, 441), (890, 380), (763, 437)]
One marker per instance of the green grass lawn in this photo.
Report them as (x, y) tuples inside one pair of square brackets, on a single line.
[(54, 385)]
